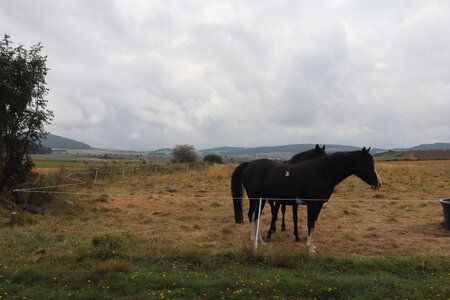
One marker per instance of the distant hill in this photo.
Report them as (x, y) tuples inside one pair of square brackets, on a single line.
[(281, 152), (414, 155), (425, 151), (435, 146), (161, 152), (55, 141)]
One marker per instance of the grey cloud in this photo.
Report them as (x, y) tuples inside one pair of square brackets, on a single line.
[(210, 73)]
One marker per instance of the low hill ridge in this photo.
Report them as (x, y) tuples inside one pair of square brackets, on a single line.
[(282, 152), (56, 141), (435, 146)]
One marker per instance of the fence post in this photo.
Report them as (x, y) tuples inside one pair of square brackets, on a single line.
[(96, 173), (123, 175), (257, 224), (12, 219)]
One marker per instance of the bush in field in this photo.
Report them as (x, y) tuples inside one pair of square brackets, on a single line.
[(51, 179), (213, 158), (184, 153)]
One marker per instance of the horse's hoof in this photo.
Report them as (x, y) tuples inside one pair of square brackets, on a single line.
[(283, 229), (297, 240)]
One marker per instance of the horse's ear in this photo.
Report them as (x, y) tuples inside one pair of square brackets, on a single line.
[(323, 148), (317, 147), (364, 150)]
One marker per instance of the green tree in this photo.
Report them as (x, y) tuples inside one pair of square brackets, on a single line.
[(184, 153), (213, 158), (23, 110)]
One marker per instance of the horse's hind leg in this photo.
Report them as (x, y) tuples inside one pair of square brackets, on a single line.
[(274, 209), (295, 219), (251, 219), (257, 219), (283, 212)]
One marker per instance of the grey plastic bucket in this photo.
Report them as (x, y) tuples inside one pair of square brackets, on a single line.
[(446, 207)]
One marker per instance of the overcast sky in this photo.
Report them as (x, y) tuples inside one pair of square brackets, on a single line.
[(143, 75)]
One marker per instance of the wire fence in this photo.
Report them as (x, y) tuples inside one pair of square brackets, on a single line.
[(96, 173)]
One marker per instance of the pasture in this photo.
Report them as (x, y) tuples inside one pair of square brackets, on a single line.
[(171, 234)]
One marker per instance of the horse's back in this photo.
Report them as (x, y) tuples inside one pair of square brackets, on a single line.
[(254, 176)]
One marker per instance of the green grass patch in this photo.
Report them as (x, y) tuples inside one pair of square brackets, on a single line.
[(135, 270)]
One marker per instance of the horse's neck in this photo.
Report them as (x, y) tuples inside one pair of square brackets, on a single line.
[(299, 157), (339, 167)]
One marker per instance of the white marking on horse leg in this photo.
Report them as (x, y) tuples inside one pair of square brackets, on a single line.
[(252, 231), (310, 242), (258, 223), (253, 227), (260, 239)]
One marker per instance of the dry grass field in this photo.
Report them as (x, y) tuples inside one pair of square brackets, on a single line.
[(193, 208), (171, 234)]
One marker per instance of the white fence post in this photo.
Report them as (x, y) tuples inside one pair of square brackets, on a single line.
[(257, 224)]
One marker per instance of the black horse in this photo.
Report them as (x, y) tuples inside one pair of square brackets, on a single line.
[(313, 181), (253, 176), (297, 158)]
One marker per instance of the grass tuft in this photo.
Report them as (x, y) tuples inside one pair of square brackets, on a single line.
[(113, 266), (109, 246)]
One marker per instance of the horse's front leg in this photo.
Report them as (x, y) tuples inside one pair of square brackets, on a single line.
[(313, 213), (295, 219), (283, 212)]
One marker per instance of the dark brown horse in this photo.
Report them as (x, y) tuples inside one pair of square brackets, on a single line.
[(297, 158)]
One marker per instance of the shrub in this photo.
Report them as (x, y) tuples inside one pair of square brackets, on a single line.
[(184, 153), (51, 179), (213, 158)]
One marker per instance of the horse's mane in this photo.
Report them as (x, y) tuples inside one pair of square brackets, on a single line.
[(333, 158)]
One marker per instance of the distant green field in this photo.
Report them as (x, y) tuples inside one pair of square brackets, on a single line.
[(77, 161), (391, 155)]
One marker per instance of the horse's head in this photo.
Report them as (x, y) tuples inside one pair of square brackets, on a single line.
[(320, 151), (307, 155), (315, 153), (366, 169)]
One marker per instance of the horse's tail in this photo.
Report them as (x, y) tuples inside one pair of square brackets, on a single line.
[(236, 192)]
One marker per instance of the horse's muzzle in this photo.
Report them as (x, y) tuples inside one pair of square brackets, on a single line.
[(377, 186)]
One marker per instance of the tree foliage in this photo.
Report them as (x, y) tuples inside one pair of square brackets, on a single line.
[(184, 153), (213, 158), (23, 110)]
